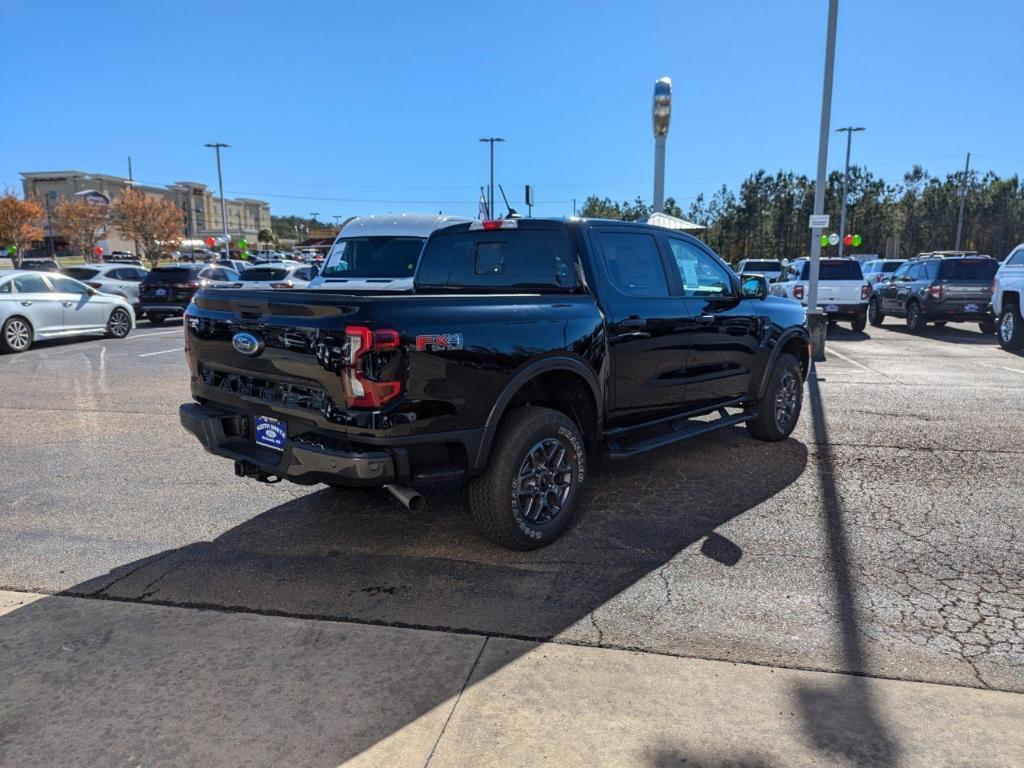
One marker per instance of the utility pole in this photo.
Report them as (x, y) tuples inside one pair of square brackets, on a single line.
[(963, 199), (846, 182), (490, 190), (223, 208), (49, 224), (131, 185), (816, 321)]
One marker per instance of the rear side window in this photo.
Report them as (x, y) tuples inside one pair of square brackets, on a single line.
[(968, 269), (1017, 258), (30, 284), (510, 259), (81, 273), (633, 263), (835, 269), (63, 284)]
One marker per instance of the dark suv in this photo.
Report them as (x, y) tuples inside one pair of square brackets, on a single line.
[(167, 291), (936, 288)]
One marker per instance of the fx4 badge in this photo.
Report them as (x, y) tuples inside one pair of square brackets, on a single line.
[(439, 342)]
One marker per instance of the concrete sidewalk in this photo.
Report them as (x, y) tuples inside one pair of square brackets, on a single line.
[(95, 682)]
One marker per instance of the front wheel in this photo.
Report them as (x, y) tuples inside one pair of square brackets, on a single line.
[(119, 325), (1011, 328), (531, 488), (779, 408), (858, 323), (875, 315), (915, 321)]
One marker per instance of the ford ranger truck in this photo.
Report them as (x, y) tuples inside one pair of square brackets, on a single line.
[(1007, 290), (526, 348)]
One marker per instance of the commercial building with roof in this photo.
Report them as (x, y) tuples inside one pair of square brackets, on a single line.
[(199, 205)]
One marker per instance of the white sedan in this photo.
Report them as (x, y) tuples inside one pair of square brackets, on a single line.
[(267, 277), (46, 305)]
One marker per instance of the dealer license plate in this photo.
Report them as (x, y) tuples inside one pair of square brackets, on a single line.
[(160, 292), (271, 433), (970, 307), (832, 308)]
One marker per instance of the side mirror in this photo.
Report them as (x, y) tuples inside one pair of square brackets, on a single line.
[(93, 291), (753, 287)]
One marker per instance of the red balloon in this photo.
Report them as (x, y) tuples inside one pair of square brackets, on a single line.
[(848, 240), (98, 251), (211, 242)]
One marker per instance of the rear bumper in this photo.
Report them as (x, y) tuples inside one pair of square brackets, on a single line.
[(222, 433), (954, 313), (843, 310), (154, 308)]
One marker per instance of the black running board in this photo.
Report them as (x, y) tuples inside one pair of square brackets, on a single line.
[(681, 428)]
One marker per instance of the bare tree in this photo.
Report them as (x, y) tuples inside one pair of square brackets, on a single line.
[(19, 225), (155, 223), (82, 223)]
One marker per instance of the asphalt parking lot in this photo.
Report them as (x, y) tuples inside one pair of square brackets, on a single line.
[(884, 538)]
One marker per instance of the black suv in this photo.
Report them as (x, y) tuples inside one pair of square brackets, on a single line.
[(167, 290), (938, 288)]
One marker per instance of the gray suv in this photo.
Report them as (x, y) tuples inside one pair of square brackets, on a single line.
[(937, 289)]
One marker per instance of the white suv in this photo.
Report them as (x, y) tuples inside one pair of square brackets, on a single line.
[(1007, 289), (842, 291)]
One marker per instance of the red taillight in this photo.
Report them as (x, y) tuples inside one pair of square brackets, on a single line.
[(935, 291), (362, 365), (489, 225), (798, 292), (282, 285), (492, 224), (865, 292), (184, 285)]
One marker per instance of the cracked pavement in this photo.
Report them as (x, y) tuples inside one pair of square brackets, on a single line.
[(720, 548)]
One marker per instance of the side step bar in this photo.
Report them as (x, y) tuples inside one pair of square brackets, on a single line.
[(680, 428)]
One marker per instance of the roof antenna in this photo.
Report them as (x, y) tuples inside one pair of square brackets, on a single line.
[(512, 212)]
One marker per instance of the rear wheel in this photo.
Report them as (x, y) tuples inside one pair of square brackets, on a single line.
[(915, 321), (16, 335), (119, 325), (779, 408), (156, 319), (988, 327), (875, 316), (940, 323), (1011, 328), (527, 496), (858, 323)]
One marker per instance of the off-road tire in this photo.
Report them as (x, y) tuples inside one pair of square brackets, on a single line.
[(915, 319), (769, 425), (875, 315), (156, 319), (859, 322), (495, 496), (1011, 329)]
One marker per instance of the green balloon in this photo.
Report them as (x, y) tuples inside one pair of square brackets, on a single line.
[(243, 244), (857, 240), (244, 254), (12, 249), (823, 240)]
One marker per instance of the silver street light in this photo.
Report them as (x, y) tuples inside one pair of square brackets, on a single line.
[(490, 191), (850, 130), (223, 208), (661, 113)]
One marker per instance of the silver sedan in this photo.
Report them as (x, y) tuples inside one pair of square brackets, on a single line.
[(46, 305)]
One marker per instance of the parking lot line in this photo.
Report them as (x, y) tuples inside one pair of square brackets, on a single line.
[(830, 351), (162, 352), (156, 333)]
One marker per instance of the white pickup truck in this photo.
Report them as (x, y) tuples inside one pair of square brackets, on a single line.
[(1007, 290), (842, 291)]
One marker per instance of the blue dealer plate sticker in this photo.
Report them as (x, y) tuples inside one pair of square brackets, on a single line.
[(271, 433)]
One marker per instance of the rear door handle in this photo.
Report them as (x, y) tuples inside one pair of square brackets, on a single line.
[(633, 322), (67, 303), (26, 303)]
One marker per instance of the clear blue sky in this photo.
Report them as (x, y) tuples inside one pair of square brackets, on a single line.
[(353, 108)]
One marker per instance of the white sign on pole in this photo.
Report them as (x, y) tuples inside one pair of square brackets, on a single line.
[(819, 220)]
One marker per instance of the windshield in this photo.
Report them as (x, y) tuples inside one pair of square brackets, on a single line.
[(835, 269), (969, 269), (80, 273), (262, 274), (384, 256)]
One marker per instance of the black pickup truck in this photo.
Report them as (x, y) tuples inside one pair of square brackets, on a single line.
[(526, 347)]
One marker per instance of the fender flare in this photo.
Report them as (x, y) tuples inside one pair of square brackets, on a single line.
[(529, 371), (784, 338)]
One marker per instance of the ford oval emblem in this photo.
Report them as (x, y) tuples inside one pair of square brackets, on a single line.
[(246, 343)]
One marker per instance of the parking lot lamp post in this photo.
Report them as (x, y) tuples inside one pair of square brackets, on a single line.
[(490, 190), (816, 321), (223, 208), (660, 115), (846, 183), (50, 196)]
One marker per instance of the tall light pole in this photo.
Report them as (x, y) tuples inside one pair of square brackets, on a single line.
[(963, 199), (51, 195), (490, 191), (850, 130), (223, 208), (313, 216), (660, 115), (816, 321)]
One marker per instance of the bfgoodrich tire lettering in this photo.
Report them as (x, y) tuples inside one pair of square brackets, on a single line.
[(532, 485)]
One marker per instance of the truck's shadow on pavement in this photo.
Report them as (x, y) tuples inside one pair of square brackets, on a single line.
[(357, 556)]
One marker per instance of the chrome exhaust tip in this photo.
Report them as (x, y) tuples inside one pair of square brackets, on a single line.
[(407, 497)]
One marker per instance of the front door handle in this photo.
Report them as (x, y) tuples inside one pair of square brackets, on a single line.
[(26, 303), (633, 322), (705, 319), (68, 303)]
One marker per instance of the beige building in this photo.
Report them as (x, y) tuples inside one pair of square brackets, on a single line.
[(199, 206)]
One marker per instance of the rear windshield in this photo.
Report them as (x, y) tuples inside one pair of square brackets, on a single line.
[(754, 266), (968, 269), (891, 266), (834, 269), (384, 256), (511, 259), (80, 273), (172, 274), (262, 274)]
